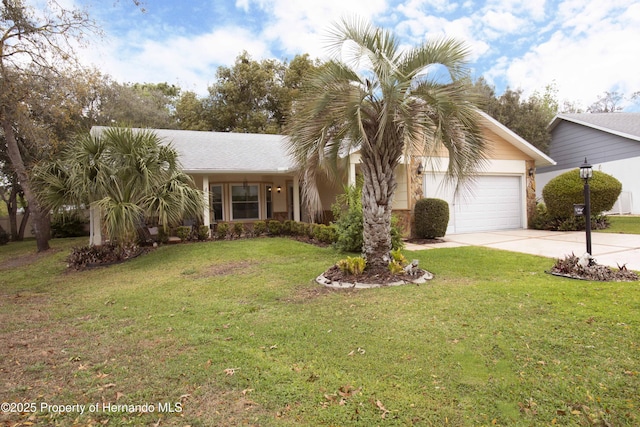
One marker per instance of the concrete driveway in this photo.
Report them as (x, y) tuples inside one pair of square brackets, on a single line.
[(608, 249)]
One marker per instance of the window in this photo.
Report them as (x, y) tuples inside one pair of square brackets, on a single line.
[(268, 198), (215, 194), (245, 202)]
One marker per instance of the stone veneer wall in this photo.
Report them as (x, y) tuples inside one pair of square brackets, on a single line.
[(531, 191)]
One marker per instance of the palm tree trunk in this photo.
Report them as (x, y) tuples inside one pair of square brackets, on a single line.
[(378, 170), (41, 224)]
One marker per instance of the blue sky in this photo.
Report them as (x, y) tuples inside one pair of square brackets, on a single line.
[(584, 47)]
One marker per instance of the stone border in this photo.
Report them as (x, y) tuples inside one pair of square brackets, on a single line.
[(346, 285)]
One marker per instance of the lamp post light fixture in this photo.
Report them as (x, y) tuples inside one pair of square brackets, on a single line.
[(586, 172)]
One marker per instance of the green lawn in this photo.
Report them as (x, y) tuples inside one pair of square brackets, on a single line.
[(623, 224), (238, 333)]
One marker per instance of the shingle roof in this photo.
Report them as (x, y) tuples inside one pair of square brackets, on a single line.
[(622, 124), (202, 152)]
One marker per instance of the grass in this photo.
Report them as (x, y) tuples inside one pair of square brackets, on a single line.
[(623, 224), (237, 333)]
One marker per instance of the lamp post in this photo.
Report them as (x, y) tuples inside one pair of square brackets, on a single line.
[(586, 172)]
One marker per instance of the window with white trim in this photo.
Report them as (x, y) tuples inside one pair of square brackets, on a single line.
[(269, 201), (245, 201), (216, 198)]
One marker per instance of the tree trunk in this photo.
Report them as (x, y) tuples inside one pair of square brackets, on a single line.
[(41, 223), (12, 209), (23, 223), (378, 171)]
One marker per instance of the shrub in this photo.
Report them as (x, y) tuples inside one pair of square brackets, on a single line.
[(4, 237), (68, 226), (352, 265), (238, 230), (324, 233), (349, 223), (288, 227), (275, 227), (431, 218), (203, 232), (396, 234), (183, 232), (543, 221), (398, 256), (567, 189), (259, 228), (222, 231), (163, 236)]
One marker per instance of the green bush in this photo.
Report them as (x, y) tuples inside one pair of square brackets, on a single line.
[(352, 265), (349, 223), (431, 218), (238, 230), (68, 226), (324, 233), (183, 232), (259, 228), (163, 236), (396, 234), (203, 232), (543, 221), (275, 227), (563, 191), (222, 231), (288, 227)]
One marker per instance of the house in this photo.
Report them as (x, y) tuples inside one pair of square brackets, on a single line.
[(250, 177), (609, 141)]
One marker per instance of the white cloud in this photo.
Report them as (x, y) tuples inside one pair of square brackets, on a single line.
[(605, 57), (502, 22), (189, 62), (301, 27)]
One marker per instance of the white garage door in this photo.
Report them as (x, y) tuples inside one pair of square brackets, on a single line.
[(492, 203)]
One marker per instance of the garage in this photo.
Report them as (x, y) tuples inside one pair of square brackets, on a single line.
[(491, 202)]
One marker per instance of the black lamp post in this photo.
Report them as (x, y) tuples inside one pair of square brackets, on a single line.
[(586, 172)]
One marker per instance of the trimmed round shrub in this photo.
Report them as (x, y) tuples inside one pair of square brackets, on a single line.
[(432, 218), (563, 191)]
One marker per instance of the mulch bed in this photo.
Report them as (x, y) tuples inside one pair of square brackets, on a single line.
[(425, 241), (570, 267)]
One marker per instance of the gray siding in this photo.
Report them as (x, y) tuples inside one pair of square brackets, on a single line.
[(571, 143)]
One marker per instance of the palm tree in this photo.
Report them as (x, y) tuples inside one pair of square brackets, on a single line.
[(125, 176), (384, 103)]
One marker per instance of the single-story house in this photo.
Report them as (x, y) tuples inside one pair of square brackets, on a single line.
[(609, 141), (250, 177)]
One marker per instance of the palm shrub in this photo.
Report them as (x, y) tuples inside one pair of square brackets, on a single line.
[(383, 101), (126, 177), (431, 218)]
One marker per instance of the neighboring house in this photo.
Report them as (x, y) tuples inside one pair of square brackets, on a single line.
[(250, 177), (609, 141)]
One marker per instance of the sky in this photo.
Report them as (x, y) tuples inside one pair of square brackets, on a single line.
[(582, 47)]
